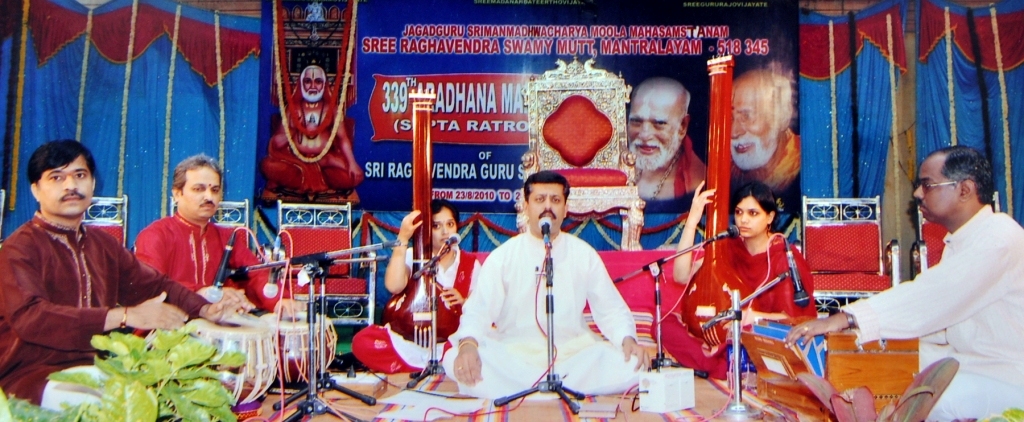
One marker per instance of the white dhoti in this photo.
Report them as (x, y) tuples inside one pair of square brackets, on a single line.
[(585, 365), (971, 396)]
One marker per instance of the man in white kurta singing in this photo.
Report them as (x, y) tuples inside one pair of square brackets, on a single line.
[(501, 345), (967, 307)]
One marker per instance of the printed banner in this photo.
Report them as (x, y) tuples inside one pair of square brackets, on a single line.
[(478, 56)]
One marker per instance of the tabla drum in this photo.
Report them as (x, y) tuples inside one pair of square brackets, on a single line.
[(255, 377), (293, 344)]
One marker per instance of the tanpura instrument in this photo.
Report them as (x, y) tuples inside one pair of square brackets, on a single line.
[(707, 294), (411, 312)]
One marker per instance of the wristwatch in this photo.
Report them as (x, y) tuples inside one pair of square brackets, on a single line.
[(851, 322)]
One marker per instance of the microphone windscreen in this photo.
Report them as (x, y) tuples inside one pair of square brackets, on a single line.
[(454, 239), (545, 221), (270, 290), (734, 231), (213, 295)]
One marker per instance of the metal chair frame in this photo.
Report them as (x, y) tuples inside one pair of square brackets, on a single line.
[(109, 211), (350, 308)]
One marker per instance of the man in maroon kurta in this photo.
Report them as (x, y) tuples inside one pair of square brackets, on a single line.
[(62, 283), (188, 247)]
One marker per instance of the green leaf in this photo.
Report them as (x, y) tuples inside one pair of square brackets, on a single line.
[(152, 371), (229, 359), (110, 367), (132, 341), (128, 401), (196, 373), (189, 354), (223, 413), (188, 410), (206, 393), (166, 340), (5, 409), (23, 411), (77, 377), (1014, 414)]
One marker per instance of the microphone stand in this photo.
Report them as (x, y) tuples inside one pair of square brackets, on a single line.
[(738, 410), (660, 361), (428, 272), (313, 403), (552, 383)]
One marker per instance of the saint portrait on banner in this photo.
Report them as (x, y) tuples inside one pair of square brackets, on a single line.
[(309, 156), (311, 163), (764, 145)]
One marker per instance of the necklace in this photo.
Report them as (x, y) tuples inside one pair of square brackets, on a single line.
[(668, 171)]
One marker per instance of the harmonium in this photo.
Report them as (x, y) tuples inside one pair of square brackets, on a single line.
[(886, 367)]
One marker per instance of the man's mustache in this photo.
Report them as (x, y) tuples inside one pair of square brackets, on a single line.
[(72, 195), (548, 213)]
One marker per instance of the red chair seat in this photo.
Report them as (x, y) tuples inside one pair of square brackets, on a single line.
[(861, 282), (593, 177)]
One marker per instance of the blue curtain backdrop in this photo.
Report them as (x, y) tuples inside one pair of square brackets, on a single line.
[(873, 104), (50, 112), (933, 98)]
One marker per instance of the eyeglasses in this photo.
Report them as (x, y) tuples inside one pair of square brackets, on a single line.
[(926, 187)]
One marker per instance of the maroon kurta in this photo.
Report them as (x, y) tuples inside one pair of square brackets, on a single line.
[(190, 255), (56, 286)]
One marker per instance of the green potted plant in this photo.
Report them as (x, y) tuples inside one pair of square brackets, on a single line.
[(170, 376)]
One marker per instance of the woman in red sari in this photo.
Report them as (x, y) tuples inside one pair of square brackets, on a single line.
[(758, 255)]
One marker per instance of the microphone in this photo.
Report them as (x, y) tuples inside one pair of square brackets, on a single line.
[(318, 257), (732, 231), (271, 289), (451, 240), (454, 239), (217, 292), (545, 229), (799, 294)]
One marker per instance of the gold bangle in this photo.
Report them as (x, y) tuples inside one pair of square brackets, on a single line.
[(124, 318), (464, 342)]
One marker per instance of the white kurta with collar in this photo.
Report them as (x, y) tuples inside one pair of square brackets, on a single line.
[(969, 307), (506, 313)]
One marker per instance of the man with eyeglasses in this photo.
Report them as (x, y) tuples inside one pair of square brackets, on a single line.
[(969, 306)]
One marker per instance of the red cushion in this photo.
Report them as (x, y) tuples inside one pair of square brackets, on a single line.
[(933, 235), (860, 282), (850, 247), (593, 177), (577, 130), (309, 240), (338, 286), (115, 230)]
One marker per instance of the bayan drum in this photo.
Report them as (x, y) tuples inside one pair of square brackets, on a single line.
[(252, 380), (293, 345)]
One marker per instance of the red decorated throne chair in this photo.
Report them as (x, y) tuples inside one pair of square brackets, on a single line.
[(842, 244), (109, 214), (577, 121), (314, 228)]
